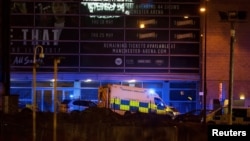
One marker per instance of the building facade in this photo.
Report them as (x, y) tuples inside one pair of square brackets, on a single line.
[(157, 44)]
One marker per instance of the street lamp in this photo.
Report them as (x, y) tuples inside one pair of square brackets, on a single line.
[(204, 10), (35, 65), (232, 17), (56, 62)]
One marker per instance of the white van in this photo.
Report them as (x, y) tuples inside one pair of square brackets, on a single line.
[(126, 100)]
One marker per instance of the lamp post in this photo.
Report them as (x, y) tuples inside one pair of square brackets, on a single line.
[(204, 10), (56, 62), (232, 17), (231, 72), (35, 65)]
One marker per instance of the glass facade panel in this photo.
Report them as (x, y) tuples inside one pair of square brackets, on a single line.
[(89, 94)]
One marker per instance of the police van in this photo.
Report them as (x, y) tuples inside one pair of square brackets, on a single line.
[(127, 100)]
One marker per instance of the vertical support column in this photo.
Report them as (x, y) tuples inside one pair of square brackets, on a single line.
[(77, 89), (231, 72)]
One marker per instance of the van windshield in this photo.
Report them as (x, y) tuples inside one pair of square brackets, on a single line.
[(159, 103)]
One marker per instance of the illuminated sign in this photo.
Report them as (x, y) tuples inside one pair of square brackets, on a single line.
[(114, 6), (106, 36)]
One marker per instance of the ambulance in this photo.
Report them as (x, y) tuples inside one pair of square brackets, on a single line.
[(127, 100)]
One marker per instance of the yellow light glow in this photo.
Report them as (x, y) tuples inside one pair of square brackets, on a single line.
[(242, 96), (142, 25), (202, 9)]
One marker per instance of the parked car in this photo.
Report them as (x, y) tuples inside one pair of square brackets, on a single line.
[(196, 116), (69, 106)]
